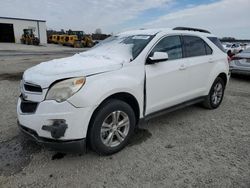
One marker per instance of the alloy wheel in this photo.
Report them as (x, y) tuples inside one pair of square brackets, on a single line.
[(115, 128), (217, 93)]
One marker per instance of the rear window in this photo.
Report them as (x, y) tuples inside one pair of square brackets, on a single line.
[(217, 42)]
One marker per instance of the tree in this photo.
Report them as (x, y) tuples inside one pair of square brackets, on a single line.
[(229, 39), (98, 31), (62, 31)]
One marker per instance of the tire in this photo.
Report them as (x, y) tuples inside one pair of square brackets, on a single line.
[(216, 94), (114, 137)]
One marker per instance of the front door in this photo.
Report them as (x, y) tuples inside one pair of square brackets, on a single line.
[(166, 80)]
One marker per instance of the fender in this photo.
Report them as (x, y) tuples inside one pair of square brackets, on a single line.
[(99, 87)]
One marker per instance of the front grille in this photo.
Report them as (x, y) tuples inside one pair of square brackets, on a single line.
[(32, 88), (28, 107)]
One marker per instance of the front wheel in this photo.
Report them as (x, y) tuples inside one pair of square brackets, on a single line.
[(111, 127), (215, 96)]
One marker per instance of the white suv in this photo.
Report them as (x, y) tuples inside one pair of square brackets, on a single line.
[(98, 97)]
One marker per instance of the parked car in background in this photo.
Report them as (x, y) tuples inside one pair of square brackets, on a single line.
[(240, 63), (224, 44), (99, 96), (235, 48), (244, 46)]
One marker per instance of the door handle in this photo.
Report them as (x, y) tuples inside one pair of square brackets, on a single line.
[(210, 60), (182, 67)]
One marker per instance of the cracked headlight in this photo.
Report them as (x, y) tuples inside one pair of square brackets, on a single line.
[(62, 90)]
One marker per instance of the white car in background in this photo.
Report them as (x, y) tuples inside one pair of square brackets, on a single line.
[(98, 97), (240, 63), (235, 48)]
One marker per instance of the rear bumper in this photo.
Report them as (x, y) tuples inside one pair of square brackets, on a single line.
[(240, 71), (69, 146)]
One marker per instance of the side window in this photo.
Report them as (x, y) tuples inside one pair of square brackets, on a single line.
[(171, 45), (194, 46), (209, 51)]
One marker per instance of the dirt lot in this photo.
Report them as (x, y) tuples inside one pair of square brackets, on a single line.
[(192, 147)]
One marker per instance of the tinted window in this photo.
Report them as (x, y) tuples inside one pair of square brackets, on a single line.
[(194, 46), (217, 42), (171, 45), (209, 51)]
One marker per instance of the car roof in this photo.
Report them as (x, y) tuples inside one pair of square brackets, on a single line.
[(163, 31)]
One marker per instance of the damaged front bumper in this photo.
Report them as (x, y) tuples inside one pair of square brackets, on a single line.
[(68, 146), (59, 126)]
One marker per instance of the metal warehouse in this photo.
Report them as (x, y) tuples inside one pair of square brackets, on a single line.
[(11, 29)]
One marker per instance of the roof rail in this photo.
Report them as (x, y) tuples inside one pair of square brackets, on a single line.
[(191, 29)]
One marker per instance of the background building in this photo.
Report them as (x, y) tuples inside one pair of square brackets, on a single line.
[(11, 29)]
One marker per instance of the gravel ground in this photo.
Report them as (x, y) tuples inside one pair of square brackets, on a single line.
[(192, 147)]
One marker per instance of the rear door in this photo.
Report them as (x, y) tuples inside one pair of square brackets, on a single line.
[(199, 63)]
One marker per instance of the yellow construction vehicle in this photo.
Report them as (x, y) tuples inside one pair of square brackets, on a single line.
[(79, 39), (62, 39), (76, 39), (29, 38), (53, 39), (70, 40), (87, 41), (57, 39)]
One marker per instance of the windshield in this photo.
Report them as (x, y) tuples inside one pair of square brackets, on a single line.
[(228, 45), (128, 47)]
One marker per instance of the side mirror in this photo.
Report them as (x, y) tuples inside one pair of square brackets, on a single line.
[(157, 57)]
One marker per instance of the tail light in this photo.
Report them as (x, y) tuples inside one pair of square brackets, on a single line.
[(232, 58)]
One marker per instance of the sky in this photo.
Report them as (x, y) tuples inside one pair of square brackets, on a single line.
[(224, 18)]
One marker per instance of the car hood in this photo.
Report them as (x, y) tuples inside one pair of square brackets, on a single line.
[(44, 74)]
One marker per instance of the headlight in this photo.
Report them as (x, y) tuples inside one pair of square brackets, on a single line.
[(61, 91)]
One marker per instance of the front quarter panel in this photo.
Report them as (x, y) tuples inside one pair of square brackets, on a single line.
[(129, 79)]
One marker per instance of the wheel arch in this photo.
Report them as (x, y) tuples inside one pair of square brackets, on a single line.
[(223, 76), (123, 96)]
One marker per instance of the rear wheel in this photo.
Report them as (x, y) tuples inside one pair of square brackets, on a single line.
[(216, 94), (111, 127)]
